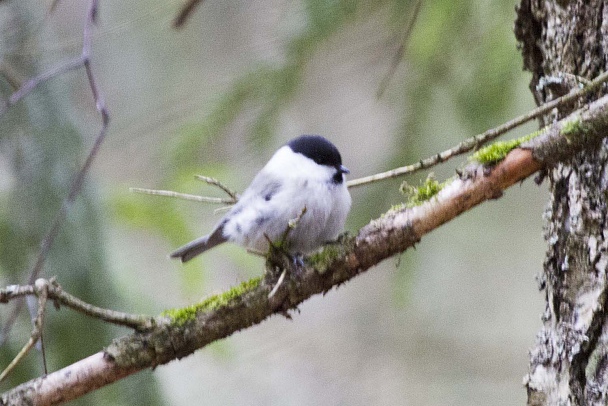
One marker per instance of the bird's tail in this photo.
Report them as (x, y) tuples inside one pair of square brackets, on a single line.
[(198, 246)]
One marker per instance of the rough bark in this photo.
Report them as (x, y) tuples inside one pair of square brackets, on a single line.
[(569, 362)]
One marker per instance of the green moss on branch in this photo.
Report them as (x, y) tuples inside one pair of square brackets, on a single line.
[(416, 195), (187, 314)]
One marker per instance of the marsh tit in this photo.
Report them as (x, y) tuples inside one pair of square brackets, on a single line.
[(303, 183)]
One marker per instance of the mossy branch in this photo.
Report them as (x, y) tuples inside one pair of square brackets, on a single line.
[(178, 333)]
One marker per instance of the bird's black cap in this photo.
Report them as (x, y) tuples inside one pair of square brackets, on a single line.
[(317, 148)]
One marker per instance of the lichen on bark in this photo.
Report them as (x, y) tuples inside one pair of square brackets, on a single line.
[(561, 41)]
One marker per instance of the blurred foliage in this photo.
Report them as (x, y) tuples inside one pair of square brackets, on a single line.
[(143, 212), (267, 89)]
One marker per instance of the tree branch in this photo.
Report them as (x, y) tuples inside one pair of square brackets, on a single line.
[(480, 139), (84, 60), (184, 196), (398, 57), (53, 291), (185, 12), (180, 332)]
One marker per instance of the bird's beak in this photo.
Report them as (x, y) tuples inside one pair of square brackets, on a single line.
[(343, 169)]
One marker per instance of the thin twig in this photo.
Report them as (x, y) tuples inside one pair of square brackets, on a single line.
[(480, 139), (53, 5), (400, 51), (184, 196), (234, 197), (31, 84), (51, 290), (462, 148), (56, 293), (293, 223), (185, 12), (76, 186), (278, 284), (79, 179), (465, 146), (214, 182), (40, 289), (13, 78)]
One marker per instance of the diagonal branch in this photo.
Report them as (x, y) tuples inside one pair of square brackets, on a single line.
[(480, 139), (463, 147), (180, 332), (78, 181), (398, 57), (83, 61), (185, 12)]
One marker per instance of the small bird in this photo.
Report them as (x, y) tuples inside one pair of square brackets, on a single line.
[(302, 184)]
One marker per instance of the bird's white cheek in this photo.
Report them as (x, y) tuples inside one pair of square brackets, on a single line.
[(343, 204)]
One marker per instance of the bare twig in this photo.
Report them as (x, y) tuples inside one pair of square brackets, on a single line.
[(214, 182), (185, 12), (480, 139), (41, 289), (56, 293), (400, 51), (83, 61), (184, 196), (278, 284), (293, 223), (31, 84), (465, 146), (79, 179), (11, 75), (232, 199)]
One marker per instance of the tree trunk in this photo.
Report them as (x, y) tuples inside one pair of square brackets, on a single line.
[(562, 42)]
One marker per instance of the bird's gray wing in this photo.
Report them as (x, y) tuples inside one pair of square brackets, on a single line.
[(263, 187)]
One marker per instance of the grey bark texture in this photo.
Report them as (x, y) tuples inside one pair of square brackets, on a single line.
[(560, 41)]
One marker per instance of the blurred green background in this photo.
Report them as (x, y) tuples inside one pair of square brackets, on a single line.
[(448, 323)]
